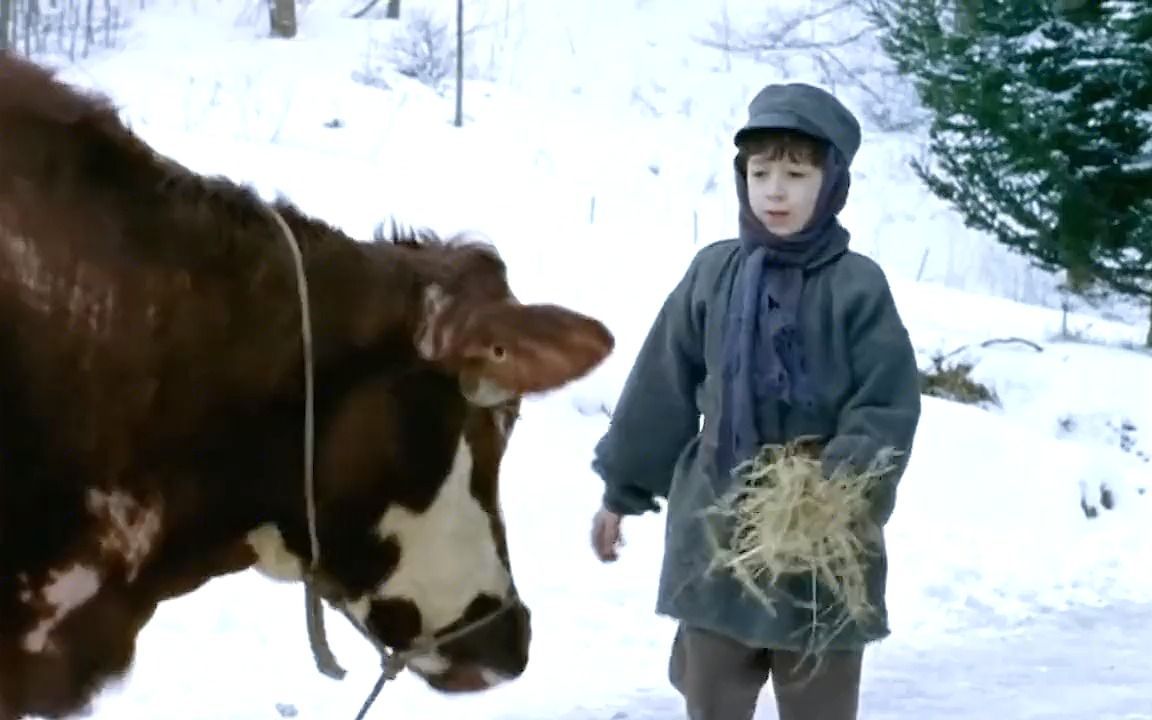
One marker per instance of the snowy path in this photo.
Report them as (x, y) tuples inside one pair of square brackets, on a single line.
[(1084, 664)]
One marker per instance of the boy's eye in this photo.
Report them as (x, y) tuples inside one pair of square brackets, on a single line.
[(798, 174)]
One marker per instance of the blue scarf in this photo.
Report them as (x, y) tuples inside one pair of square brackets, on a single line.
[(763, 347)]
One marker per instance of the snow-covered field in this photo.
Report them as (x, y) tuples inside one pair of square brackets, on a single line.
[(596, 155)]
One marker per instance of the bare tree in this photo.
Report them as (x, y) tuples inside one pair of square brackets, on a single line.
[(459, 63), (5, 23), (836, 38), (391, 12), (70, 29), (282, 17), (425, 50), (32, 25)]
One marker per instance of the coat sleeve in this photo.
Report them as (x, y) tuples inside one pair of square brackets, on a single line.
[(883, 409), (656, 415)]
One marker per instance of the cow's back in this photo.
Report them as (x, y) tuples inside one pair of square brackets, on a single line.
[(128, 292)]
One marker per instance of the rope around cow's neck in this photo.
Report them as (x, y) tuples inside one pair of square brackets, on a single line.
[(393, 662), (317, 638), (323, 653)]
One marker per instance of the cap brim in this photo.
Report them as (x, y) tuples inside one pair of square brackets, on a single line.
[(778, 120)]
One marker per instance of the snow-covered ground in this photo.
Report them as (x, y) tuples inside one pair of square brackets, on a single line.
[(596, 154)]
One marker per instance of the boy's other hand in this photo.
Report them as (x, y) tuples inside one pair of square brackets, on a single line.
[(606, 536)]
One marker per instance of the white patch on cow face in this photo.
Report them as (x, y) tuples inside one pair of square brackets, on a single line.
[(448, 554), (273, 558), (432, 336), (127, 529), (485, 393), (65, 592)]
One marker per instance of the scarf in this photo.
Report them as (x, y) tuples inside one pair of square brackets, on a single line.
[(763, 346)]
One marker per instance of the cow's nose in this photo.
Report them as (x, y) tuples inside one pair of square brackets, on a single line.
[(462, 679), (520, 619), (509, 637)]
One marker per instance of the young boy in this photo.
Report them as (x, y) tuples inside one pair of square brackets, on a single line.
[(780, 333)]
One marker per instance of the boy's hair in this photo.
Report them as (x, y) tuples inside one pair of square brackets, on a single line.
[(797, 146)]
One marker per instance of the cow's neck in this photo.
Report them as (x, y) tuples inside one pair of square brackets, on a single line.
[(362, 302)]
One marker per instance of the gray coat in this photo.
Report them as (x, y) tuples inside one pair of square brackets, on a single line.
[(656, 446)]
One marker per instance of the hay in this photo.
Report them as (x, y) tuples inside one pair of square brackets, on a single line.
[(786, 519)]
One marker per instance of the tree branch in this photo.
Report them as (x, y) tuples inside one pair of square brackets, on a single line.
[(366, 9)]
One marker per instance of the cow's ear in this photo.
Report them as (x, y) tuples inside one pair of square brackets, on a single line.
[(505, 349)]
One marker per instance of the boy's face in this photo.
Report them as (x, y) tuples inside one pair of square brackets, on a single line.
[(783, 192)]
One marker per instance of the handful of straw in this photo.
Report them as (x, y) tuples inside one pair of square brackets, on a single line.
[(788, 519)]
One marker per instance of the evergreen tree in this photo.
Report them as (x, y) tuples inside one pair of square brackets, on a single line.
[(1131, 24), (1042, 125)]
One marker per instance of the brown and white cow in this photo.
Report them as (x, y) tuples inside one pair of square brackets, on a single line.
[(152, 405)]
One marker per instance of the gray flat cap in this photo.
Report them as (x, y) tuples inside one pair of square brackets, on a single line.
[(798, 106)]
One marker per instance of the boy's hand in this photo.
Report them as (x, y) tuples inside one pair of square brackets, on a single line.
[(606, 536)]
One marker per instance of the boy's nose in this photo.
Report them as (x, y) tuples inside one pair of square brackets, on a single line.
[(774, 188)]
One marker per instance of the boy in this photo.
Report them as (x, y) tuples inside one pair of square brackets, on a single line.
[(780, 333)]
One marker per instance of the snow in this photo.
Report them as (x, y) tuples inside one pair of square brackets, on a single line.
[(597, 156)]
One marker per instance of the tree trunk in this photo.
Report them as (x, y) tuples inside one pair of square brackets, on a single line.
[(459, 63), (5, 23), (282, 14), (967, 16), (31, 13), (89, 29), (1148, 340), (392, 12)]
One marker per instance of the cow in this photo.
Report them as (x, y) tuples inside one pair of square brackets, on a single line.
[(196, 382)]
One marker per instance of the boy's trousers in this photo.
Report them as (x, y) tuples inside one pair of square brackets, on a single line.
[(721, 679)]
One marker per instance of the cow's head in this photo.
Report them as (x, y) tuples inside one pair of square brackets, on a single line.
[(409, 446)]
